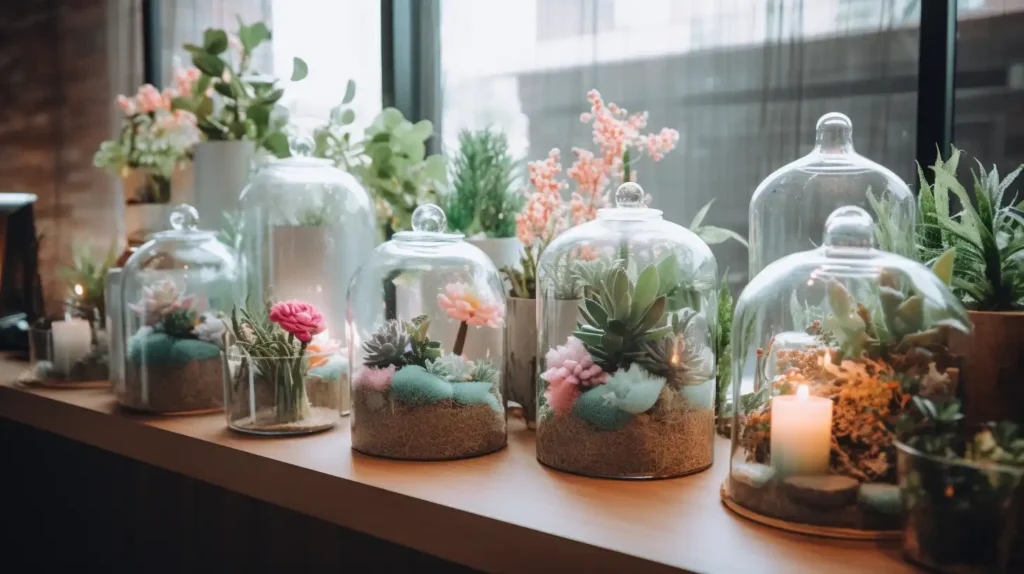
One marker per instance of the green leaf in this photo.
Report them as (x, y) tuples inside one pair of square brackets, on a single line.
[(422, 130), (655, 315), (215, 41), (697, 219), (347, 117), (716, 235), (192, 48), (205, 107), (252, 36), (272, 96), (224, 89), (182, 103), (208, 64), (618, 291), (277, 144), (200, 87), (260, 115), (299, 69), (839, 299), (596, 311), (645, 291), (350, 92), (668, 274), (943, 266)]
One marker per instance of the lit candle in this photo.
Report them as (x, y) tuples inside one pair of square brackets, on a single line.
[(801, 433), (72, 339)]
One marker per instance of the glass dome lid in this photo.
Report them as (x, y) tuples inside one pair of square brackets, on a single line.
[(829, 346), (426, 346), (627, 309), (182, 244), (789, 208)]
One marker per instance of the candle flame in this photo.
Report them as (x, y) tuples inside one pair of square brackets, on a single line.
[(79, 290), (802, 392)]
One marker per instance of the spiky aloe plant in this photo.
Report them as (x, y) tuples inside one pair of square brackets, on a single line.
[(988, 236), (483, 199)]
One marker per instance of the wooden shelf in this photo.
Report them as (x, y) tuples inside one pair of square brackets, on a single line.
[(498, 513)]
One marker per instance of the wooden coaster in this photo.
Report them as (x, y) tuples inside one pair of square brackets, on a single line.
[(814, 530), (29, 379)]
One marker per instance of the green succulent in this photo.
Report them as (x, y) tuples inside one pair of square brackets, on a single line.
[(450, 367), (620, 316), (386, 347), (484, 372), (681, 360), (179, 323), (421, 349)]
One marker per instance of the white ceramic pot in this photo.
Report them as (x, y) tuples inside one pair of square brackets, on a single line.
[(520, 377), (503, 251), (141, 220), (221, 169)]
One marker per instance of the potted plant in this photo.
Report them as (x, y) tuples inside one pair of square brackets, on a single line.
[(482, 204), (154, 144), (959, 488), (236, 109), (987, 230)]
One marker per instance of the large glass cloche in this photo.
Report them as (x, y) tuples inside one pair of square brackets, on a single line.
[(176, 293), (830, 345), (789, 208), (426, 343), (627, 308)]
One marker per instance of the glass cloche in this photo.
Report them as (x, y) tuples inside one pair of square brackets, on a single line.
[(177, 290), (306, 226), (626, 361), (426, 346), (789, 208), (838, 339)]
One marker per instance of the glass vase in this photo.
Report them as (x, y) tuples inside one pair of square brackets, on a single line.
[(282, 395), (68, 352), (958, 516)]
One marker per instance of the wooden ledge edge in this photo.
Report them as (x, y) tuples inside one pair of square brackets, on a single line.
[(456, 535)]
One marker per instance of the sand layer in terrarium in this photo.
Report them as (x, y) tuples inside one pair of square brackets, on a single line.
[(437, 431), (194, 387), (828, 500), (680, 444)]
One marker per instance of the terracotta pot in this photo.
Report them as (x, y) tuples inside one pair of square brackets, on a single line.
[(993, 374), (520, 378)]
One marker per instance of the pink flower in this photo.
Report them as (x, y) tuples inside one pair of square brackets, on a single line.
[(298, 318), (149, 99), (126, 104), (160, 299), (466, 305), (570, 370), (375, 379), (542, 219)]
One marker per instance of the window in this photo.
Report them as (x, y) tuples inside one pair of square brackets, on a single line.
[(742, 80)]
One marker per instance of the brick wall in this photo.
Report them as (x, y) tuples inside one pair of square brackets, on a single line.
[(55, 109)]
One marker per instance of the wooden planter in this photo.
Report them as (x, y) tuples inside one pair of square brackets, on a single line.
[(520, 376), (993, 374)]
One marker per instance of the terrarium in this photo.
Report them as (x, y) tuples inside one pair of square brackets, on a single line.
[(789, 208), (626, 366), (842, 338), (426, 346), (305, 227), (176, 291)]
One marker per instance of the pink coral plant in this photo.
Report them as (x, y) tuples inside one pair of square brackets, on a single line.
[(571, 370), (299, 319), (160, 299)]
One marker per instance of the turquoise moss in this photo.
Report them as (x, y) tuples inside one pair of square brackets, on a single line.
[(475, 393), (160, 349), (332, 369), (413, 385), (627, 393)]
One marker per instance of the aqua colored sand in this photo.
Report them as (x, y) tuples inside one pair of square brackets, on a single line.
[(160, 349), (413, 385)]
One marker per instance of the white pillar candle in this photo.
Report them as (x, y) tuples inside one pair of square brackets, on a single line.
[(72, 339), (801, 433)]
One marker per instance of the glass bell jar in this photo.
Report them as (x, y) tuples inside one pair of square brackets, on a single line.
[(306, 226), (426, 346), (838, 340), (788, 210), (176, 292), (627, 308)]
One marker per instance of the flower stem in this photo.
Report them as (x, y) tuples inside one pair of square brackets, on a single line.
[(460, 339)]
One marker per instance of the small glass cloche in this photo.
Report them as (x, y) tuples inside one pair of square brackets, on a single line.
[(306, 226), (627, 308), (789, 208), (829, 347), (176, 292), (426, 336)]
